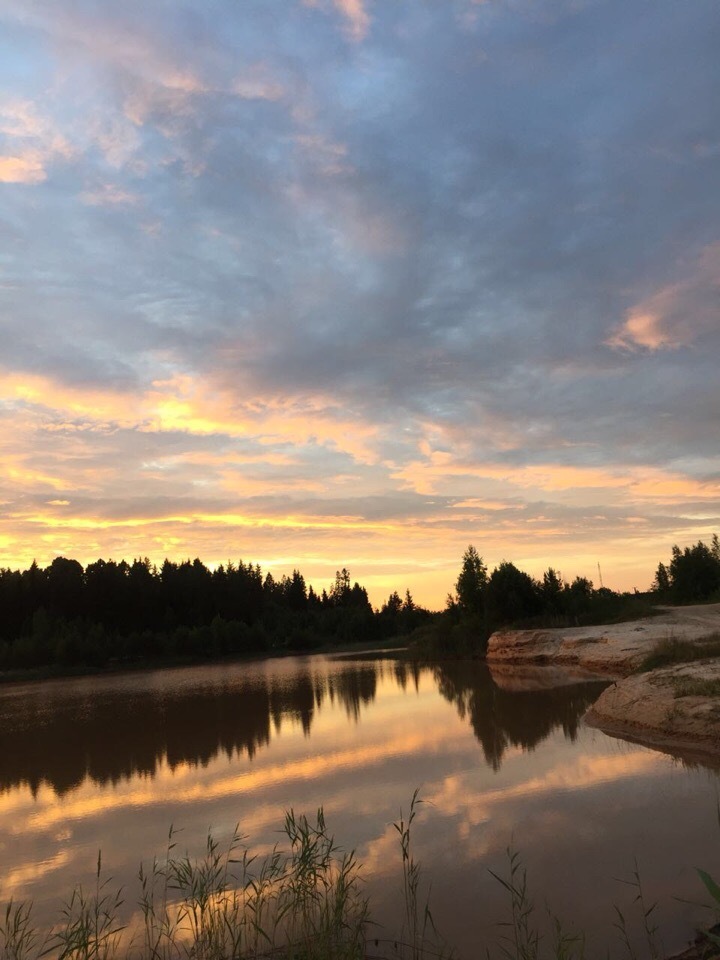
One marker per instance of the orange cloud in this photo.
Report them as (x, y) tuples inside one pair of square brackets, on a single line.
[(475, 503), (88, 801), (36, 142), (458, 795), (249, 454), (95, 405), (24, 169), (18, 878), (308, 522), (584, 773), (15, 470), (188, 406), (440, 470), (676, 314), (182, 403), (643, 329)]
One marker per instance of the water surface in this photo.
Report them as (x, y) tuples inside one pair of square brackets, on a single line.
[(112, 762)]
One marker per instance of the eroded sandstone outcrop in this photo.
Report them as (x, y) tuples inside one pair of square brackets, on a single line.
[(614, 649), (675, 708)]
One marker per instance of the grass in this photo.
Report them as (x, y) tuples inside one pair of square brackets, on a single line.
[(672, 650), (303, 904), (647, 917), (692, 687), (418, 918), (528, 938)]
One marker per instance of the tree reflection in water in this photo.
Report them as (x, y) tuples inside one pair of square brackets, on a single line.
[(108, 730), (503, 718)]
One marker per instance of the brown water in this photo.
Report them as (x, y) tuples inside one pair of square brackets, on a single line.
[(112, 762)]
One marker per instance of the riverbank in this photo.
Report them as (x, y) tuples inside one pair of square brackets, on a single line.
[(60, 672), (616, 650), (674, 708)]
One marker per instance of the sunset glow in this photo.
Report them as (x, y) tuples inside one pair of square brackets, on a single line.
[(321, 284)]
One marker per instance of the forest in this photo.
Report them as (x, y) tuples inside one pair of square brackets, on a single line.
[(66, 617)]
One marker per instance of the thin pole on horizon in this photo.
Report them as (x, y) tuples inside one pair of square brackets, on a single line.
[(600, 575)]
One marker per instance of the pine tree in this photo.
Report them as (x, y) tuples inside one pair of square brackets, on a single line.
[(471, 583)]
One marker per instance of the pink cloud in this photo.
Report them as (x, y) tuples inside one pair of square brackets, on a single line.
[(34, 142), (24, 169), (357, 16), (677, 314), (354, 11)]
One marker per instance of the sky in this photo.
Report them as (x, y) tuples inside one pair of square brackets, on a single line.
[(325, 283)]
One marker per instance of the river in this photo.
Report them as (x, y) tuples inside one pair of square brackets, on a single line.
[(112, 762)]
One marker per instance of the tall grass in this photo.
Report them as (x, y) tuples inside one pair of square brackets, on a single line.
[(304, 903), (523, 939), (647, 918), (419, 936), (532, 934), (19, 938)]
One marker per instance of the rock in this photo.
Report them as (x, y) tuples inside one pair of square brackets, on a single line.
[(652, 708), (656, 709)]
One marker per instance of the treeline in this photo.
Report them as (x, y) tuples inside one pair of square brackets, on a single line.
[(508, 594), (65, 615), (508, 597), (692, 575)]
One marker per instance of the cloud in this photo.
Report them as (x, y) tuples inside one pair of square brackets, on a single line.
[(329, 156), (455, 281), (108, 195), (257, 82), (354, 12), (357, 16), (21, 121), (28, 169), (642, 329), (35, 142), (676, 315)]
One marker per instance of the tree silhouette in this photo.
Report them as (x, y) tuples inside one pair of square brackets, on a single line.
[(471, 583), (114, 611), (695, 572), (511, 595)]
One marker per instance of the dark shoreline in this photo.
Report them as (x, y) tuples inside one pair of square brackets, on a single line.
[(55, 672)]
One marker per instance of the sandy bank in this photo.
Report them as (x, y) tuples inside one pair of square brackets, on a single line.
[(615, 650), (669, 709), (676, 709)]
